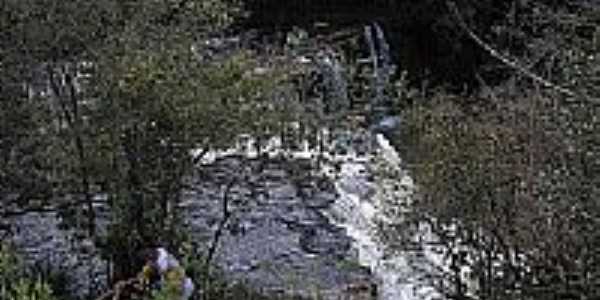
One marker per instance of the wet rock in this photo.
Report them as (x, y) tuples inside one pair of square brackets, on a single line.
[(320, 200), (387, 125), (357, 186), (288, 238), (297, 220), (325, 242), (282, 192)]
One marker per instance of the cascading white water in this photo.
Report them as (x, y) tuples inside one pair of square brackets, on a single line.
[(361, 206), (383, 69)]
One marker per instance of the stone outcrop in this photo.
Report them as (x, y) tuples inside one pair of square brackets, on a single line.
[(278, 239)]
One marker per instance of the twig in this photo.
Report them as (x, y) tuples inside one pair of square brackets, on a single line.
[(226, 215), (206, 147), (507, 61)]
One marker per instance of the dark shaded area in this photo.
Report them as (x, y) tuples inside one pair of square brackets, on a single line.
[(424, 37)]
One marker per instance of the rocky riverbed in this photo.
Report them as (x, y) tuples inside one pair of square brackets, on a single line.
[(278, 239)]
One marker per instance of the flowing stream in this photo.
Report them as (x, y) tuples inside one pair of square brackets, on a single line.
[(362, 204)]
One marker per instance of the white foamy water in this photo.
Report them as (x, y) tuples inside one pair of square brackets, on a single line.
[(358, 211)]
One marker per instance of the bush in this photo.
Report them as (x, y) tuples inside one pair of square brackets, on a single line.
[(509, 178), (15, 284), (510, 192)]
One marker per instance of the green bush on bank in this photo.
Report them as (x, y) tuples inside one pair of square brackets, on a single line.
[(15, 284)]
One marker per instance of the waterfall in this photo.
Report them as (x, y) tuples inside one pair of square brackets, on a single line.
[(379, 51), (334, 81), (361, 206)]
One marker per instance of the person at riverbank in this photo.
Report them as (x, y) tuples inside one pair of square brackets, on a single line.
[(163, 270)]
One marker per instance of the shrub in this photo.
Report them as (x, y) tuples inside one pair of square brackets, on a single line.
[(14, 282)]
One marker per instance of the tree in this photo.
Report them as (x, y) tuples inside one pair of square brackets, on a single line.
[(507, 180), (121, 102)]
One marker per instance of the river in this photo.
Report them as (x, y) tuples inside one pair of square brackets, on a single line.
[(362, 204)]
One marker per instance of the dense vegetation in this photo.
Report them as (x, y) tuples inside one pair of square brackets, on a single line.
[(113, 103), (508, 177), (119, 104)]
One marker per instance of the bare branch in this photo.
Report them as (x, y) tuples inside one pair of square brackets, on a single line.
[(226, 215), (508, 61), (205, 148)]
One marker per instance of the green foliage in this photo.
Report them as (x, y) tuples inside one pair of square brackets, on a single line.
[(10, 268), (126, 132), (162, 106), (26, 289), (169, 291), (14, 282), (509, 174)]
